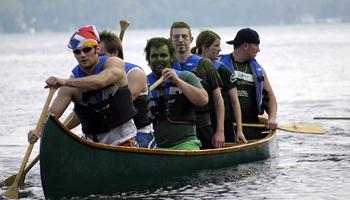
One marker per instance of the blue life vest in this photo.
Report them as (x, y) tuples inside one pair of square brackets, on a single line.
[(217, 64), (169, 102), (258, 77), (101, 110), (129, 66), (190, 64), (227, 60), (78, 73)]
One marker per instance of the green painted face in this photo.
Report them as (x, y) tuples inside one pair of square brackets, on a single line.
[(159, 59)]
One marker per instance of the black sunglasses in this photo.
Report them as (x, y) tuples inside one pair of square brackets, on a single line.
[(85, 50)]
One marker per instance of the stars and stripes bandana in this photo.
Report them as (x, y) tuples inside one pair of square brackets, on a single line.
[(87, 36)]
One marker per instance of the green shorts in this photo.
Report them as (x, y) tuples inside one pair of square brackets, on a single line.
[(188, 145)]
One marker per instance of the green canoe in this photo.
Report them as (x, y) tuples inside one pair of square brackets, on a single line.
[(73, 167)]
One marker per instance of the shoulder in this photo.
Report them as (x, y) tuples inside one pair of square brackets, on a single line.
[(187, 75), (262, 69), (207, 66), (223, 69), (114, 59), (134, 70), (190, 78), (205, 61), (136, 73), (114, 62), (225, 73)]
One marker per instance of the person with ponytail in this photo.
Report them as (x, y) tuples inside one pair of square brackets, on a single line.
[(208, 46)]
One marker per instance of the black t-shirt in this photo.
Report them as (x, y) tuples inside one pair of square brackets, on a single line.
[(246, 91)]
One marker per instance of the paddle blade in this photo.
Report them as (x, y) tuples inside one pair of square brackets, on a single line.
[(123, 26), (302, 128), (9, 181), (12, 192)]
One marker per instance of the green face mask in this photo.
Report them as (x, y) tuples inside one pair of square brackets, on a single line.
[(159, 59)]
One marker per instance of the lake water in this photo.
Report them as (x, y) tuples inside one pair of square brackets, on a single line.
[(307, 66)]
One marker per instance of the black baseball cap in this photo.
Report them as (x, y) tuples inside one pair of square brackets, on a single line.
[(245, 35)]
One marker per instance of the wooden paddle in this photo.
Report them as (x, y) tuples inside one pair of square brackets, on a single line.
[(333, 118), (12, 191), (123, 26), (10, 180), (294, 127), (158, 82)]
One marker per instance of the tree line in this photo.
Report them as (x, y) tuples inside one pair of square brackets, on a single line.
[(64, 15)]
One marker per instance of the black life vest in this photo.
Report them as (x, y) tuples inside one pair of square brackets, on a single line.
[(141, 103), (101, 110), (169, 102)]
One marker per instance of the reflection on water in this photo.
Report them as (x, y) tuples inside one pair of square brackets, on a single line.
[(307, 66)]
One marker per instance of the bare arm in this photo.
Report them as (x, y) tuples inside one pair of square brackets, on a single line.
[(272, 114), (219, 136), (197, 96), (137, 82), (62, 101), (114, 73), (238, 115)]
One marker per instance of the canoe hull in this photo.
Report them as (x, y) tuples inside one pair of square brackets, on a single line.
[(71, 166)]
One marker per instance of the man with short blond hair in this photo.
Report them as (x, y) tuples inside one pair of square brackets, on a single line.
[(203, 68)]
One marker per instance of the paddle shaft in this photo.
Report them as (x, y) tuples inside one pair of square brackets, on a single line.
[(254, 125), (158, 82), (123, 26), (298, 128), (12, 191), (29, 167), (9, 181), (333, 118)]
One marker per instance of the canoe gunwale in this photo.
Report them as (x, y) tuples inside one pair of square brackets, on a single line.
[(234, 147)]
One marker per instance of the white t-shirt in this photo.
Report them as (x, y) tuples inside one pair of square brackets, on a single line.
[(117, 135)]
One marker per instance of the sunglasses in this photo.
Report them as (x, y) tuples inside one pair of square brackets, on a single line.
[(85, 50)]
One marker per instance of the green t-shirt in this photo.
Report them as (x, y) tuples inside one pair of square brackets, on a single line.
[(167, 134)]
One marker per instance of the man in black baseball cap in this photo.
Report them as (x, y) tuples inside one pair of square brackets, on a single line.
[(253, 87), (245, 35)]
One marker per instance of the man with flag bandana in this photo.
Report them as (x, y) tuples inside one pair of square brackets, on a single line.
[(110, 45), (208, 46), (98, 88)]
